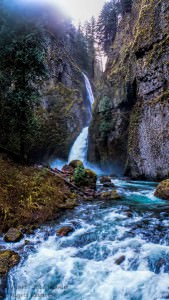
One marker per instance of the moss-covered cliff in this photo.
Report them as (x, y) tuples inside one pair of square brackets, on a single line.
[(132, 130), (64, 111)]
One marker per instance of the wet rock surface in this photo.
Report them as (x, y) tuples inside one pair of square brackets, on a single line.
[(8, 259), (162, 190), (130, 120), (109, 195), (64, 231), (118, 241), (13, 235)]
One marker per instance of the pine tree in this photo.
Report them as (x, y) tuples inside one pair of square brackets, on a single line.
[(22, 65), (107, 26), (90, 34), (126, 6)]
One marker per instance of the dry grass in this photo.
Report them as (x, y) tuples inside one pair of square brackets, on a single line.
[(29, 195)]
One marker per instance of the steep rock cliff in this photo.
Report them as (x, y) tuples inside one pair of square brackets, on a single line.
[(131, 131), (64, 103)]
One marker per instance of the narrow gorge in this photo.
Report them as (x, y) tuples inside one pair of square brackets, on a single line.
[(84, 150)]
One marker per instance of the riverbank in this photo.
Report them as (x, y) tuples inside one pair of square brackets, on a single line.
[(30, 195), (114, 244)]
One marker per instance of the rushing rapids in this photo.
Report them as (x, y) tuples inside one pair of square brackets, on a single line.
[(119, 250)]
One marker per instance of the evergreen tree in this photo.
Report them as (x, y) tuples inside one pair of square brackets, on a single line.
[(80, 49), (107, 26), (90, 34), (22, 65), (126, 6)]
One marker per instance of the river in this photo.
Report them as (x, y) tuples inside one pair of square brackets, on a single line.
[(119, 250)]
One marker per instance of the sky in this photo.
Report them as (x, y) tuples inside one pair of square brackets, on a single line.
[(81, 10), (78, 10)]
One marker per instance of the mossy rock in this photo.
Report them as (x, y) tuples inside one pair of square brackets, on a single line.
[(13, 235), (91, 178), (8, 259), (105, 179), (76, 163), (109, 195), (162, 190), (84, 177)]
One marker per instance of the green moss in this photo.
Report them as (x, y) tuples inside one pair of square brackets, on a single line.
[(84, 177), (162, 99), (76, 164), (146, 25), (158, 50), (57, 121)]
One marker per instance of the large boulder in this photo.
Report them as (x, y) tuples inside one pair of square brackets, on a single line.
[(76, 163), (162, 190), (13, 235), (105, 179), (8, 259), (109, 195), (91, 178), (84, 177)]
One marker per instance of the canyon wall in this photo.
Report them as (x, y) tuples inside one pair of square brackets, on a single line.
[(131, 114)]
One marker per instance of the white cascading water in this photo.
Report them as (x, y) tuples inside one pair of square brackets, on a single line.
[(118, 251), (80, 146)]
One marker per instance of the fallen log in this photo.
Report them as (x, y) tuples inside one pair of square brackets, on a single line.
[(68, 182)]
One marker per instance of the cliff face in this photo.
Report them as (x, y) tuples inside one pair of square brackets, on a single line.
[(134, 120), (64, 103)]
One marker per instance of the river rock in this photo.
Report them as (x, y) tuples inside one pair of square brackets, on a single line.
[(128, 213), (8, 259), (108, 184), (105, 179), (162, 190), (109, 195), (120, 260), (65, 230), (13, 235)]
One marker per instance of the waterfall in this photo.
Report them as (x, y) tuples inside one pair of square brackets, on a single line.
[(80, 146), (89, 90)]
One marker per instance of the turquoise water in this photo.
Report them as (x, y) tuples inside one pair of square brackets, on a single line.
[(85, 265)]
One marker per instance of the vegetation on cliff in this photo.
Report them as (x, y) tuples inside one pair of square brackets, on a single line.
[(42, 56), (132, 131)]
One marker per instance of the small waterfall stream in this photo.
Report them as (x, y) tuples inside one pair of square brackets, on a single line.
[(80, 146)]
